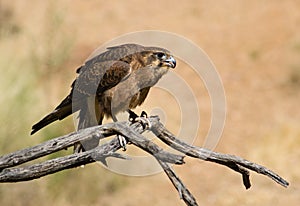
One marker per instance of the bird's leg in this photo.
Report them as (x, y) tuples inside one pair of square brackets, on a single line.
[(122, 140)]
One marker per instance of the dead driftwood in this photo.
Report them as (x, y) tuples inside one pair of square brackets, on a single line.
[(10, 173)]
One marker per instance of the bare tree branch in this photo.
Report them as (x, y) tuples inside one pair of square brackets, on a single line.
[(238, 164), (133, 132), (184, 193), (77, 159)]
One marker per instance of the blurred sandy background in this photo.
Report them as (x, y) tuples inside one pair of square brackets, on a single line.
[(255, 46)]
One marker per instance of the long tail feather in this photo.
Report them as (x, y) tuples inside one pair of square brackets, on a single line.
[(61, 111)]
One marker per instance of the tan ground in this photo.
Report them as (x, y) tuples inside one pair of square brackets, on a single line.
[(255, 46)]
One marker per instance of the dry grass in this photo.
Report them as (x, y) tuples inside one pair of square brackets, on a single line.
[(254, 45)]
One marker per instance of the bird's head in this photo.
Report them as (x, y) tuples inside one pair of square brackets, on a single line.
[(158, 57)]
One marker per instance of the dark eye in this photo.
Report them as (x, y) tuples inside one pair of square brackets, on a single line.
[(160, 55)]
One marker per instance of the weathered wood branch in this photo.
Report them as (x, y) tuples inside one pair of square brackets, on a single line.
[(75, 160), (238, 164), (133, 132), (184, 193)]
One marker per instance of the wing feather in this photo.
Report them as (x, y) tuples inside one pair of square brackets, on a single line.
[(100, 77)]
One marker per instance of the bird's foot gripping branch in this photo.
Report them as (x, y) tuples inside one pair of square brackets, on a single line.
[(133, 132)]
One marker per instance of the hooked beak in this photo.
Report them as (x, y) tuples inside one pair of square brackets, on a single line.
[(171, 62)]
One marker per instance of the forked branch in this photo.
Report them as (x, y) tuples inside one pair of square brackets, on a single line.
[(10, 173)]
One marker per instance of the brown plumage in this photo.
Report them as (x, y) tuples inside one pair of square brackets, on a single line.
[(111, 82)]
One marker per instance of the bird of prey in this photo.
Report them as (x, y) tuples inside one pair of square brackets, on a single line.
[(114, 81)]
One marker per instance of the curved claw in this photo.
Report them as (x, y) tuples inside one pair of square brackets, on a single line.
[(145, 122), (132, 116), (144, 114)]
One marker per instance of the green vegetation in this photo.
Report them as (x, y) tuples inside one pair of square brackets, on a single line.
[(32, 65), (25, 65)]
